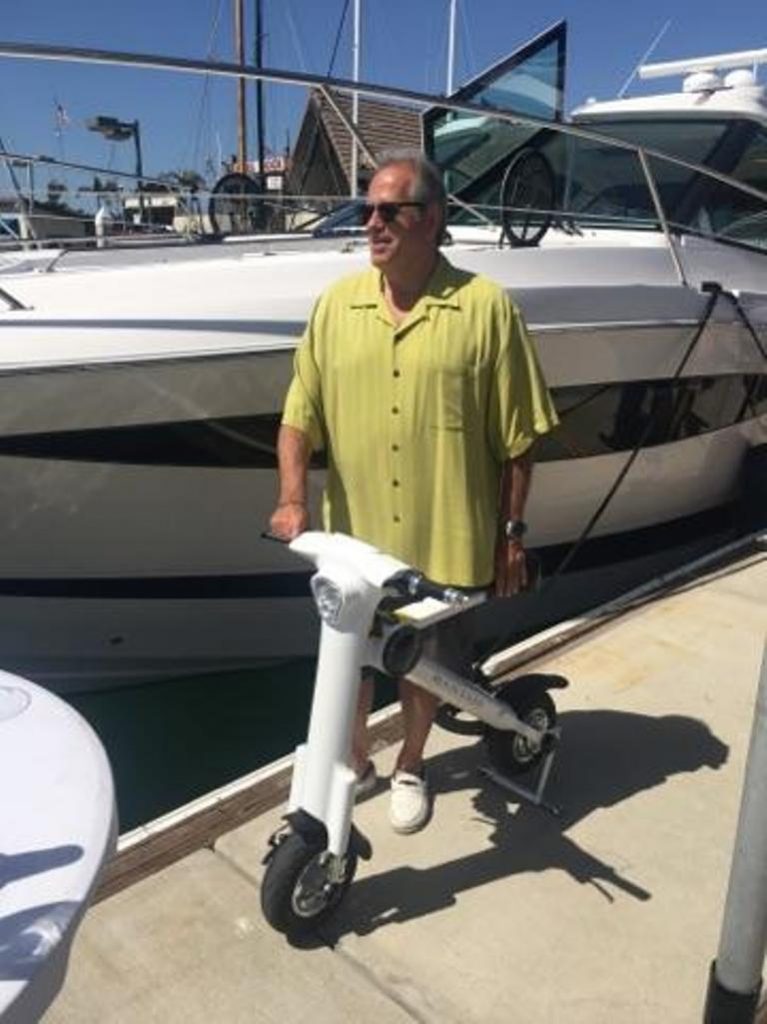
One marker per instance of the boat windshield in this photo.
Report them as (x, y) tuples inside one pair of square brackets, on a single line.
[(607, 186), (530, 178)]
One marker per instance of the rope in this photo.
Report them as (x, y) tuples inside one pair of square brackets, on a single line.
[(714, 290)]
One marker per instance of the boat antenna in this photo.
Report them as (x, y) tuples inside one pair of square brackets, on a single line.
[(451, 48), (643, 58)]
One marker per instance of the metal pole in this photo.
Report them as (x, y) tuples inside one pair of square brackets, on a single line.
[(661, 214), (451, 47), (239, 43), (139, 169), (260, 100), (735, 980), (354, 173)]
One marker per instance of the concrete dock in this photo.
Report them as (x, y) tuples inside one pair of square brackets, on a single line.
[(496, 912)]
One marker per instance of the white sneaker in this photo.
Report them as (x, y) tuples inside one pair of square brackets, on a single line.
[(410, 804)]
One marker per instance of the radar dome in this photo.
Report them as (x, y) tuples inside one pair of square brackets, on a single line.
[(702, 81)]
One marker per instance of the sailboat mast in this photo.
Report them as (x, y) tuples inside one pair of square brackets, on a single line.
[(355, 99), (451, 48), (239, 49), (258, 60)]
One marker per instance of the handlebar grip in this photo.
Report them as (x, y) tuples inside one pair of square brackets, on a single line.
[(415, 584)]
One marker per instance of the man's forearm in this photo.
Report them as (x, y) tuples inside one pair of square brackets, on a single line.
[(515, 486), (293, 454)]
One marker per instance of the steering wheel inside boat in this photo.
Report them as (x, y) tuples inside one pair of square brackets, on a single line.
[(235, 206), (527, 198)]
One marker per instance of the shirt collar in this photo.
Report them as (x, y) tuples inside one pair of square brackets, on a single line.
[(442, 288)]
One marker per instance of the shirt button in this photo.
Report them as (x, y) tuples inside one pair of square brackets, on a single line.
[(397, 519), (395, 483), (396, 373), (395, 447), (395, 409)]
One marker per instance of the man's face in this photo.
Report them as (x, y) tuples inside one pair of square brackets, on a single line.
[(409, 241)]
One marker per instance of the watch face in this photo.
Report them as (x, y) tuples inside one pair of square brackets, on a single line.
[(515, 529)]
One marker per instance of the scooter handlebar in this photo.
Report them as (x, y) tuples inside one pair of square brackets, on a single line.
[(412, 583)]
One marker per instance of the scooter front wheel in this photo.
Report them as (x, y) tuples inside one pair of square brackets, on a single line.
[(509, 752), (303, 884)]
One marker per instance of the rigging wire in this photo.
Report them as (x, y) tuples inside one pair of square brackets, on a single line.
[(203, 116), (338, 38), (294, 35), (643, 58)]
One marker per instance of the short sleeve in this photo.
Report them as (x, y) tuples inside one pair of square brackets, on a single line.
[(520, 407), (303, 403)]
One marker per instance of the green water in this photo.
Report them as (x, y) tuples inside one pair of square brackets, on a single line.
[(174, 740)]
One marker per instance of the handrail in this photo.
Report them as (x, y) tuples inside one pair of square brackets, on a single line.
[(661, 215), (324, 83), (86, 55)]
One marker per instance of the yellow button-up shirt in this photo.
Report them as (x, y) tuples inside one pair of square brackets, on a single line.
[(418, 418)]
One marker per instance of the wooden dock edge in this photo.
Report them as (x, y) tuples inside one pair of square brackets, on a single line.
[(198, 824), (154, 846)]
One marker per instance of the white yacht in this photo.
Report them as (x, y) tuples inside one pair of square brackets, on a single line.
[(139, 399)]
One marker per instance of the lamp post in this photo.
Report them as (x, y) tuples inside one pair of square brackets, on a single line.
[(118, 131)]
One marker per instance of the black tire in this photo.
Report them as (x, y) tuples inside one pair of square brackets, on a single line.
[(294, 897), (508, 752), (528, 192)]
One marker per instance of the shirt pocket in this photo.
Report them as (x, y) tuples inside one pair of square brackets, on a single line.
[(454, 399)]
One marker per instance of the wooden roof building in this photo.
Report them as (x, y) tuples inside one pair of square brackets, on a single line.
[(321, 162)]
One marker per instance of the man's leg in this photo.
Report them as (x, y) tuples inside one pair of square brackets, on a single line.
[(410, 804), (410, 808), (418, 710)]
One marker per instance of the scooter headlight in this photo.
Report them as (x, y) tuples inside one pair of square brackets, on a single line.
[(329, 599)]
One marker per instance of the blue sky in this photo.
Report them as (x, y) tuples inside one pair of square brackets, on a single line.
[(188, 120)]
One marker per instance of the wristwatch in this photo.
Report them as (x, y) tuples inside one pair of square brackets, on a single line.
[(514, 529)]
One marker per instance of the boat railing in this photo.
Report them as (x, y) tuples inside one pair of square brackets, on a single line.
[(679, 197)]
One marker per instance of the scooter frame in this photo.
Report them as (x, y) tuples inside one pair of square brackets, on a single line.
[(351, 579)]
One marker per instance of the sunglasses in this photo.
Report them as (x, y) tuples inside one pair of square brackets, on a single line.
[(388, 212)]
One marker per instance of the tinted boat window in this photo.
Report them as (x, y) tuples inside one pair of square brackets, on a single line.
[(695, 141), (469, 147)]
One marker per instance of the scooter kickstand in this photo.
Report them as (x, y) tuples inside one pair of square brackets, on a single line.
[(532, 796)]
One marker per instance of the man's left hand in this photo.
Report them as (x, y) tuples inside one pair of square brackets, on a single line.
[(510, 567)]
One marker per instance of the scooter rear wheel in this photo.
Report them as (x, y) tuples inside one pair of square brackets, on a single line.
[(509, 752), (298, 891)]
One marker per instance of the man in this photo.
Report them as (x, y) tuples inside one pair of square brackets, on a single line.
[(418, 380)]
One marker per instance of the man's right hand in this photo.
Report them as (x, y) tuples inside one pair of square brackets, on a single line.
[(289, 519)]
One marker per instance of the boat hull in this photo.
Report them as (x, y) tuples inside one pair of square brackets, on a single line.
[(137, 460)]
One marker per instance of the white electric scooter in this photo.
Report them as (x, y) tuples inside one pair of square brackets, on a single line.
[(312, 859)]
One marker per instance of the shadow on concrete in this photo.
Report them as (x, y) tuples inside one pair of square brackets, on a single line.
[(605, 757)]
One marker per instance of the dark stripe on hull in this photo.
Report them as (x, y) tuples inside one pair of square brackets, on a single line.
[(596, 553), (265, 586), (596, 420)]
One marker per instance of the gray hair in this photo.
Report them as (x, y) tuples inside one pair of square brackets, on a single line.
[(428, 186)]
